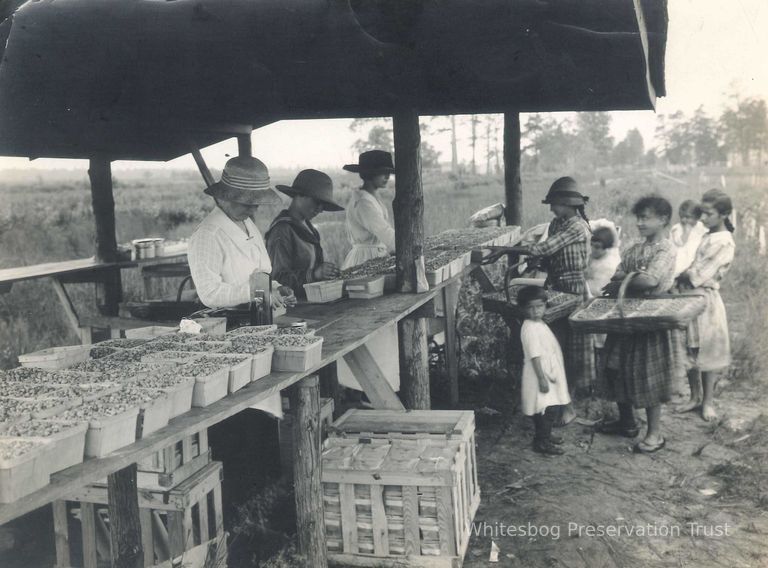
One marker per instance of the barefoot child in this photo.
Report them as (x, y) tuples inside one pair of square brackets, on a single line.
[(544, 389), (641, 367), (709, 347), (687, 234)]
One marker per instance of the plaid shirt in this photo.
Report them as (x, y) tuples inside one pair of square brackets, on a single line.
[(656, 259), (566, 250)]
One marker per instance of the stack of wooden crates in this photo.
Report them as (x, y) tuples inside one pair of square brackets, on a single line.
[(400, 487), (180, 508)]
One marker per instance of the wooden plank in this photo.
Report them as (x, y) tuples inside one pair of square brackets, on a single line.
[(58, 269), (353, 324), (451, 299), (218, 511), (348, 517), (414, 364), (61, 533), (176, 538), (379, 518), (66, 302), (201, 165), (147, 536), (88, 522), (445, 521), (479, 274), (202, 511), (370, 376), (368, 561), (411, 520), (408, 205), (513, 188), (160, 537), (124, 523), (310, 526)]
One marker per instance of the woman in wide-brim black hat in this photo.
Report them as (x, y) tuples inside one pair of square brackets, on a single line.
[(368, 226), (293, 241)]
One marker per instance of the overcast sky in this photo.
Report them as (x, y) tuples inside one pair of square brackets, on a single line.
[(714, 47)]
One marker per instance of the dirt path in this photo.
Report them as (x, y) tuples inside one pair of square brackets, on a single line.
[(702, 494)]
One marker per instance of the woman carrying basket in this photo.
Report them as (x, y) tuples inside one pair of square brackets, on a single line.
[(641, 367), (565, 253)]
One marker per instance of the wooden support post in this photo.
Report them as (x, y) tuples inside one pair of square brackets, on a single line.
[(88, 523), (372, 379), (414, 364), (201, 165), (409, 199), (66, 302), (109, 288), (244, 144), (124, 521), (451, 301), (409, 243), (329, 386), (513, 188), (305, 402), (61, 533)]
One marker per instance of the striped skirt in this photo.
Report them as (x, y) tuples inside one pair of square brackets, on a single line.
[(641, 369)]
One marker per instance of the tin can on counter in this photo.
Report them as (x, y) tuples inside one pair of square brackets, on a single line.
[(143, 248)]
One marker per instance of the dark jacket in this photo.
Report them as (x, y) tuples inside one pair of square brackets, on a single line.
[(295, 251)]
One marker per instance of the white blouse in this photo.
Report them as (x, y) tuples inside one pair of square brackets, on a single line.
[(368, 222), (222, 258)]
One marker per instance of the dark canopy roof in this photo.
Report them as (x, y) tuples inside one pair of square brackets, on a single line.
[(145, 79)]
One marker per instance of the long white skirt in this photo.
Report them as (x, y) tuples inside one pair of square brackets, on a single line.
[(361, 253), (709, 333)]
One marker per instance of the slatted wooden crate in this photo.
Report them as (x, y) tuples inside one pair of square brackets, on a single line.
[(172, 521), (175, 463), (415, 424), (396, 502)]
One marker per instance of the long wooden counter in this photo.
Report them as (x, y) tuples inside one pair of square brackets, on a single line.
[(345, 326)]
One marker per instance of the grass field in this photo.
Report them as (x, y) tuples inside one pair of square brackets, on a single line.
[(50, 219)]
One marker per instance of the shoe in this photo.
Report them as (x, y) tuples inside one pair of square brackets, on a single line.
[(556, 440), (547, 448), (642, 448), (616, 427)]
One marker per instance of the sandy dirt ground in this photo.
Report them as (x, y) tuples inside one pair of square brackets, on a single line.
[(701, 501)]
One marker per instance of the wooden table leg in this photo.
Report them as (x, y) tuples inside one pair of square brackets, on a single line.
[(124, 522), (305, 401), (451, 301), (61, 533), (414, 363), (372, 379), (88, 523)]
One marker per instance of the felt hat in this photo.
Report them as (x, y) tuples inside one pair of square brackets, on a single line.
[(373, 161), (315, 184), (245, 180), (564, 192)]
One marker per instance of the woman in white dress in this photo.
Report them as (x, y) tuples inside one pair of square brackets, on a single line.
[(368, 226)]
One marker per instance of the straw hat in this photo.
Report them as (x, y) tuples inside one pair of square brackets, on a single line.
[(315, 184), (373, 161), (245, 180)]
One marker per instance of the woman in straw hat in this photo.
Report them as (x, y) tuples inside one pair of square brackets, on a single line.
[(292, 241), (368, 225), (227, 256)]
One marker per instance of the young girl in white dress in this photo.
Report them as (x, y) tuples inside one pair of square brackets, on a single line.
[(709, 347), (544, 389)]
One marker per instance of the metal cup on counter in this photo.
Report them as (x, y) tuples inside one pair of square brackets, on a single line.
[(151, 247)]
